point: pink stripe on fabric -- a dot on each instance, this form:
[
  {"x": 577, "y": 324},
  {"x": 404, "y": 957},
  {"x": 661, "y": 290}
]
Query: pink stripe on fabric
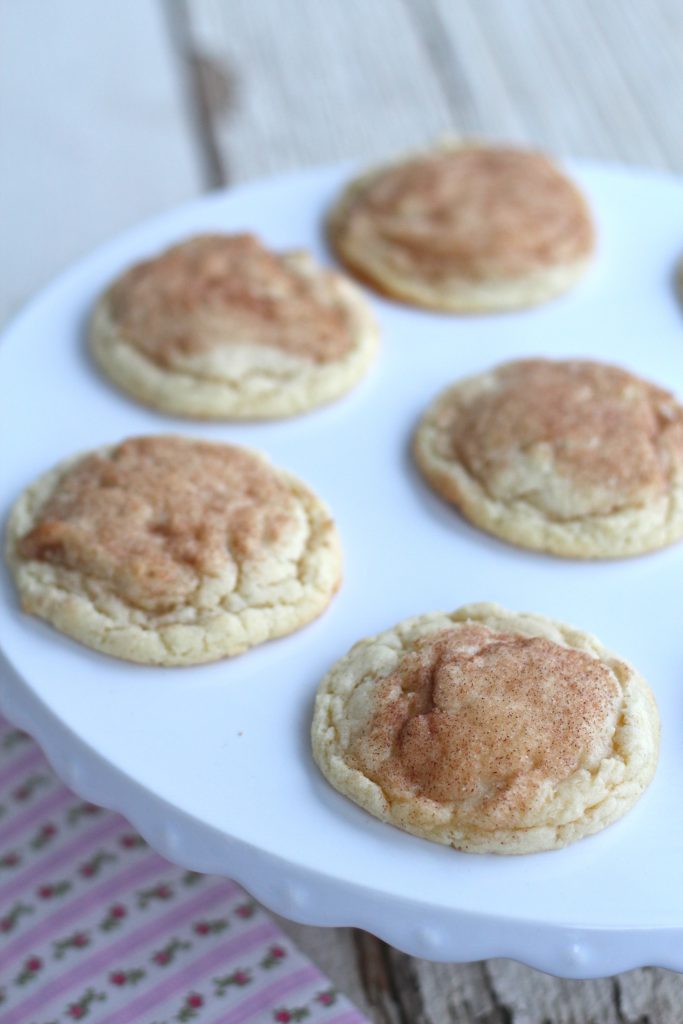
[
  {"x": 51, "y": 802},
  {"x": 40, "y": 871},
  {"x": 180, "y": 979},
  {"x": 45, "y": 929},
  {"x": 266, "y": 997},
  {"x": 110, "y": 955},
  {"x": 21, "y": 765}
]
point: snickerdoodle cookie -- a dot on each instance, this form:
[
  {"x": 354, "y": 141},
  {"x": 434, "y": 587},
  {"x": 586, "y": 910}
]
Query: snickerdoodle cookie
[
  {"x": 172, "y": 551},
  {"x": 465, "y": 227},
  {"x": 487, "y": 730},
  {"x": 573, "y": 457},
  {"x": 221, "y": 327}
]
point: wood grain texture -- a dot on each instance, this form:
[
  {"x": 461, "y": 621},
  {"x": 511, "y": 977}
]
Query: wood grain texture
[
  {"x": 106, "y": 118},
  {"x": 94, "y": 128},
  {"x": 550, "y": 74},
  {"x": 316, "y": 81}
]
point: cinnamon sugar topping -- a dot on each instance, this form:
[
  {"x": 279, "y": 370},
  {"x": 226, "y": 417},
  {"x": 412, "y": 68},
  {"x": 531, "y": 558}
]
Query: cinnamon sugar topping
[
  {"x": 475, "y": 211},
  {"x": 489, "y": 722},
  {"x": 571, "y": 438},
  {"x": 155, "y": 515},
  {"x": 229, "y": 289}
]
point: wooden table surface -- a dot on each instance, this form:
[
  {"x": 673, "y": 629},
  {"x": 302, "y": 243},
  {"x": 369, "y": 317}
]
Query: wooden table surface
[{"x": 110, "y": 112}]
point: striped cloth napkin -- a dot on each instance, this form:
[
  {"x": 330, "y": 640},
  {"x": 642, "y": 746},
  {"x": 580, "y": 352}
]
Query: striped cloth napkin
[{"x": 96, "y": 926}]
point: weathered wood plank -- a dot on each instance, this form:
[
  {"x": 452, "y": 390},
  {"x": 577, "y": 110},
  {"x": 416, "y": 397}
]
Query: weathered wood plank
[
  {"x": 95, "y": 133},
  {"x": 317, "y": 82},
  {"x": 532, "y": 997},
  {"x": 650, "y": 997},
  {"x": 548, "y": 72},
  {"x": 646, "y": 43},
  {"x": 438, "y": 993}
]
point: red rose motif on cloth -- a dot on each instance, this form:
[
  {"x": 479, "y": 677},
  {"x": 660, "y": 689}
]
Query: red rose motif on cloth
[{"x": 95, "y": 926}]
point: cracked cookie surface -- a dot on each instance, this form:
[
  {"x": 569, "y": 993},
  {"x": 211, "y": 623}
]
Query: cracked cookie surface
[
  {"x": 172, "y": 551},
  {"x": 572, "y": 457},
  {"x": 465, "y": 227},
  {"x": 487, "y": 730},
  {"x": 221, "y": 327}
]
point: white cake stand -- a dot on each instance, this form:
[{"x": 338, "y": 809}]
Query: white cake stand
[{"x": 212, "y": 764}]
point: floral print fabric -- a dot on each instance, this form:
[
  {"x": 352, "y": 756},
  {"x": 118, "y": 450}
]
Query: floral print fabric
[{"x": 95, "y": 926}]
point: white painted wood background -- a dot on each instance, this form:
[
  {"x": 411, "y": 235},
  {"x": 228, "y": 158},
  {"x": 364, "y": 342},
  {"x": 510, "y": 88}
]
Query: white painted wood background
[{"x": 110, "y": 112}]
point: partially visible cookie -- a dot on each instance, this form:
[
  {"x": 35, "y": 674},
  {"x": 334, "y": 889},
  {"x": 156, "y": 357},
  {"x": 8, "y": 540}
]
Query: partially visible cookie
[
  {"x": 172, "y": 551},
  {"x": 489, "y": 731},
  {"x": 220, "y": 327},
  {"x": 572, "y": 457},
  {"x": 465, "y": 228}
]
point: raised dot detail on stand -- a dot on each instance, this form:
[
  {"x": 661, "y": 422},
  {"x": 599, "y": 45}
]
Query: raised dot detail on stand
[
  {"x": 294, "y": 896},
  {"x": 169, "y": 840},
  {"x": 577, "y": 954},
  {"x": 428, "y": 938},
  {"x": 73, "y": 775}
]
